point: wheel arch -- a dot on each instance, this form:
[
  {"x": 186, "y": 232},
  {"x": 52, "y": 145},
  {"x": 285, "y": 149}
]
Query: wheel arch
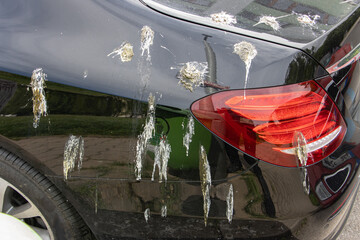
[{"x": 15, "y": 149}]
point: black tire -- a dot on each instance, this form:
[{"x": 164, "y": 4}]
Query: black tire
[{"x": 27, "y": 186}]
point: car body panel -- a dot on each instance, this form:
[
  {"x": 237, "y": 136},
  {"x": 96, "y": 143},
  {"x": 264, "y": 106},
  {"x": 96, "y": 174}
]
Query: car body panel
[{"x": 106, "y": 102}]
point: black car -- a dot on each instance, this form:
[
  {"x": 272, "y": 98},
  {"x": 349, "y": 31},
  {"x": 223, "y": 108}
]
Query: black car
[{"x": 180, "y": 119}]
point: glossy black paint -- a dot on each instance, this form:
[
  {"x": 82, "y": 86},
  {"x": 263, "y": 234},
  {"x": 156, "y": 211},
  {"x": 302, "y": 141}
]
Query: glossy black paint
[
  {"x": 108, "y": 108},
  {"x": 298, "y": 22}
]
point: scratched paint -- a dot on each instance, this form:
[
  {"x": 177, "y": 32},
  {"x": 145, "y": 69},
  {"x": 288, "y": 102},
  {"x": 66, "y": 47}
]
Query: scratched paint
[
  {"x": 143, "y": 139},
  {"x": 162, "y": 156},
  {"x": 271, "y": 21},
  {"x": 190, "y": 130},
  {"x": 230, "y": 204},
  {"x": 73, "y": 153},
  {"x": 37, "y": 84},
  {"x": 147, "y": 39},
  {"x": 164, "y": 211},
  {"x": 192, "y": 74},
  {"x": 124, "y": 52},
  {"x": 205, "y": 180},
  {"x": 147, "y": 214},
  {"x": 247, "y": 52},
  {"x": 223, "y": 18}
]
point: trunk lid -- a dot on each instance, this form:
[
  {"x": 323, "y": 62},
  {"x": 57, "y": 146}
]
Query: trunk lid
[{"x": 285, "y": 21}]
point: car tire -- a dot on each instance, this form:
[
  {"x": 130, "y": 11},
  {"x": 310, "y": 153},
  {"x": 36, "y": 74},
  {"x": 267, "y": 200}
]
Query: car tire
[{"x": 28, "y": 195}]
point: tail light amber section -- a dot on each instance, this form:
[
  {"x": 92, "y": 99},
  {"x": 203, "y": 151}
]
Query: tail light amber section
[{"x": 264, "y": 122}]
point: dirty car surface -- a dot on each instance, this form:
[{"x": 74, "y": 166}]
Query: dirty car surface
[{"x": 179, "y": 119}]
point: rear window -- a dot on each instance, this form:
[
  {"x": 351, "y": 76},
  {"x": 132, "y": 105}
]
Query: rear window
[{"x": 295, "y": 20}]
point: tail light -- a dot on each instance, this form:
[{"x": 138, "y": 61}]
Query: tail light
[{"x": 264, "y": 122}]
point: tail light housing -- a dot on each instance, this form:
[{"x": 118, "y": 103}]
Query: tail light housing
[{"x": 265, "y": 123}]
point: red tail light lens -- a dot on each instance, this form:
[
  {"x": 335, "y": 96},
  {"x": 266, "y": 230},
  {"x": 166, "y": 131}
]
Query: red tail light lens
[{"x": 263, "y": 122}]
